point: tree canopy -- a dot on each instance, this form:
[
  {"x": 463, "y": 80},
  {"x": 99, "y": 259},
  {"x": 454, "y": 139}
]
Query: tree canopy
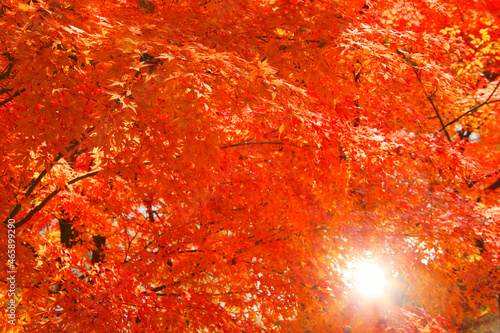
[{"x": 218, "y": 166}]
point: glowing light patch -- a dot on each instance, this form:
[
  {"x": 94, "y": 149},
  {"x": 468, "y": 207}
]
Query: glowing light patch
[{"x": 369, "y": 279}]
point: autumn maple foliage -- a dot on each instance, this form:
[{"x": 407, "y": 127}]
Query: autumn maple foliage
[{"x": 218, "y": 166}]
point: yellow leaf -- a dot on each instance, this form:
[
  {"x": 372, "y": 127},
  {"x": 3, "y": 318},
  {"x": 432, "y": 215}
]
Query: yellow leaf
[
  {"x": 280, "y": 130},
  {"x": 25, "y": 7}
]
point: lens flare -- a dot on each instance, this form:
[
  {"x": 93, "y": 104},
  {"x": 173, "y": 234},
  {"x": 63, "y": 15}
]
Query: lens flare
[{"x": 369, "y": 279}]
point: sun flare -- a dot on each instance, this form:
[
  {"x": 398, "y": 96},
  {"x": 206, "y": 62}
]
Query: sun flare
[{"x": 369, "y": 279}]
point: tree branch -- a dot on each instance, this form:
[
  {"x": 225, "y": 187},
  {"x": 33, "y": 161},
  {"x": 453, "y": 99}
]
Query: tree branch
[
  {"x": 38, "y": 179},
  {"x": 475, "y": 108},
  {"x": 429, "y": 97},
  {"x": 491, "y": 174},
  {"x": 130, "y": 242},
  {"x": 494, "y": 186},
  {"x": 414, "y": 66},
  {"x": 17, "y": 93},
  {"x": 7, "y": 70},
  {"x": 50, "y": 196},
  {"x": 253, "y": 143},
  {"x": 245, "y": 143}
]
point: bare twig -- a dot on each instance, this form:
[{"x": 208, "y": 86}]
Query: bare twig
[
  {"x": 414, "y": 66},
  {"x": 475, "y": 108},
  {"x": 130, "y": 242},
  {"x": 245, "y": 143},
  {"x": 429, "y": 97}
]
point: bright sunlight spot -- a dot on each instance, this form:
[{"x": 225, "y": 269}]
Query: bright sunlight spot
[
  {"x": 369, "y": 279},
  {"x": 365, "y": 277}
]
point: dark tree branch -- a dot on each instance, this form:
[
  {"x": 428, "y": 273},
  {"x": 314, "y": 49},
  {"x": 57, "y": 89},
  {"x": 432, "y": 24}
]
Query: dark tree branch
[
  {"x": 470, "y": 111},
  {"x": 475, "y": 108},
  {"x": 67, "y": 233},
  {"x": 429, "y": 97},
  {"x": 494, "y": 186},
  {"x": 36, "y": 181},
  {"x": 491, "y": 174},
  {"x": 50, "y": 196},
  {"x": 4, "y": 75},
  {"x": 17, "y": 93},
  {"x": 7, "y": 70},
  {"x": 414, "y": 66},
  {"x": 252, "y": 143},
  {"x": 130, "y": 242},
  {"x": 100, "y": 244}
]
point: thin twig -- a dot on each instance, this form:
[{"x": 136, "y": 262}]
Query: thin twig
[
  {"x": 491, "y": 174},
  {"x": 130, "y": 242},
  {"x": 475, "y": 108},
  {"x": 253, "y": 143},
  {"x": 429, "y": 97}
]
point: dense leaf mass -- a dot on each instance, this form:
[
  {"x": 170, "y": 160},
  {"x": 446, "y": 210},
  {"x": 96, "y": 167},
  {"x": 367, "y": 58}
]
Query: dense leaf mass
[{"x": 218, "y": 166}]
